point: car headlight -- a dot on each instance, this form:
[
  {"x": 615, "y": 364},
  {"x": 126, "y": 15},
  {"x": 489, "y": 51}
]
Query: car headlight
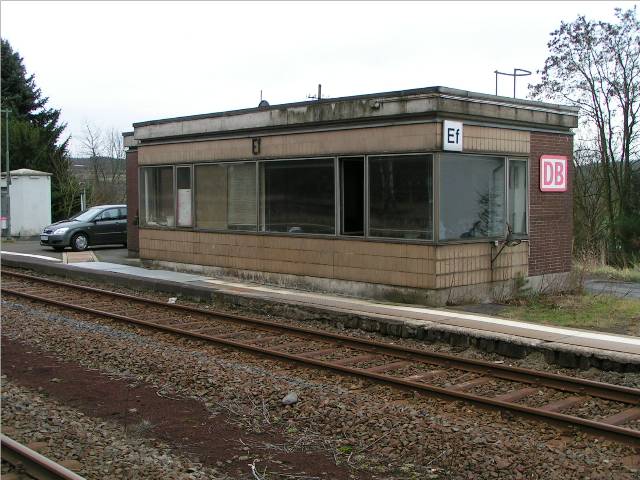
[{"x": 60, "y": 231}]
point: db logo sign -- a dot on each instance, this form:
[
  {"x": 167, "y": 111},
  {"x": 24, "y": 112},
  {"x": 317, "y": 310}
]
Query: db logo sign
[{"x": 553, "y": 173}]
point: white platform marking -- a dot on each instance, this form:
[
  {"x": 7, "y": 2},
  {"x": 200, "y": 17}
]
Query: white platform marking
[{"x": 42, "y": 257}]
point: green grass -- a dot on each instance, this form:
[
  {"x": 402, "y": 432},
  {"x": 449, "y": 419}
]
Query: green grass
[{"x": 594, "y": 312}]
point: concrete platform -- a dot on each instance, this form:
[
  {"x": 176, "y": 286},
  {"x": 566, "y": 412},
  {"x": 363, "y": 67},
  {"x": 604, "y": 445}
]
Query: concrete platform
[{"x": 564, "y": 346}]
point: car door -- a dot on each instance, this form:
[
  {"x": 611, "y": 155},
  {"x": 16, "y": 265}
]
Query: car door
[
  {"x": 106, "y": 226},
  {"x": 122, "y": 225}
]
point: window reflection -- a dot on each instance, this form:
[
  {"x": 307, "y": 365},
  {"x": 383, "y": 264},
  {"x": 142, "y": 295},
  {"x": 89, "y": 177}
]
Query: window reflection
[
  {"x": 156, "y": 202},
  {"x": 472, "y": 191}
]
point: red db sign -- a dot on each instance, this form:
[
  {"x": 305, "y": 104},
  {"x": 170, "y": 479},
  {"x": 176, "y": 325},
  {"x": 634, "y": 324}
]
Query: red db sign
[{"x": 553, "y": 173}]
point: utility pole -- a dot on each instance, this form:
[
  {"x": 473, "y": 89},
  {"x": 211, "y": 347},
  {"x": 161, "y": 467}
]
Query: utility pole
[{"x": 8, "y": 170}]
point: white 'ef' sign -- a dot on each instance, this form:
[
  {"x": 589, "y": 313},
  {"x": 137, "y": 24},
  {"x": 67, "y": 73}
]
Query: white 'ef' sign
[
  {"x": 452, "y": 136},
  {"x": 553, "y": 173}
]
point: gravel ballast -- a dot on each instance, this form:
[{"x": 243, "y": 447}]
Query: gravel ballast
[{"x": 368, "y": 430}]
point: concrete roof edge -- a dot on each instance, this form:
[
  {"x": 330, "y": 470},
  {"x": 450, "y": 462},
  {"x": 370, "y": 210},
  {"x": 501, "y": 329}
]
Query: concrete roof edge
[{"x": 443, "y": 91}]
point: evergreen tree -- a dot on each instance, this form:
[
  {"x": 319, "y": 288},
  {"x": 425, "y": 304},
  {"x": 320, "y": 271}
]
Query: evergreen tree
[{"x": 35, "y": 132}]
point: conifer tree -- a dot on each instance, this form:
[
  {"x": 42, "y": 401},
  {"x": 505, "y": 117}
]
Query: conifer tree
[{"x": 35, "y": 132}]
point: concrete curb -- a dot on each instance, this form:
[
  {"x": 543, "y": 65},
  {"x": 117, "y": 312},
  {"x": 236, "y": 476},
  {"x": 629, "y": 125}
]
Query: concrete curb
[{"x": 508, "y": 345}]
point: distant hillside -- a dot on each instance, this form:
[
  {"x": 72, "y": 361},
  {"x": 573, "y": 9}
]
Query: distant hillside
[{"x": 83, "y": 168}]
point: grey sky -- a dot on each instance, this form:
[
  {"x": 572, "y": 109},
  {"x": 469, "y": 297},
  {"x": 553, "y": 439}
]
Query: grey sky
[{"x": 115, "y": 63}]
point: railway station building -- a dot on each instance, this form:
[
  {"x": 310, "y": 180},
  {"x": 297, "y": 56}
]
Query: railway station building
[{"x": 427, "y": 195}]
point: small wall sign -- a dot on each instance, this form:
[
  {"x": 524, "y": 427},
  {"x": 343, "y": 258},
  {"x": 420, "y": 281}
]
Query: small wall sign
[
  {"x": 553, "y": 173},
  {"x": 452, "y": 136}
]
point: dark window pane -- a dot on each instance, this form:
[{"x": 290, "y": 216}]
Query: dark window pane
[
  {"x": 352, "y": 195},
  {"x": 400, "y": 196},
  {"x": 183, "y": 177},
  {"x": 298, "y": 196},
  {"x": 518, "y": 196},
  {"x": 156, "y": 198},
  {"x": 471, "y": 197}
]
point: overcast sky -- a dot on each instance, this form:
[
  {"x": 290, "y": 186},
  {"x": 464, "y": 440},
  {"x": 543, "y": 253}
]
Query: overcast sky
[{"x": 115, "y": 63}]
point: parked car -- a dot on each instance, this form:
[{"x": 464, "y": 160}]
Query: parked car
[{"x": 99, "y": 225}]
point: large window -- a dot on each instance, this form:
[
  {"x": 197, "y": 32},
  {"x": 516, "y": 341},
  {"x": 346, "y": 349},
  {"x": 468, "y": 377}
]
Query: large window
[
  {"x": 297, "y": 196},
  {"x": 156, "y": 199},
  {"x": 401, "y": 196},
  {"x": 518, "y": 196},
  {"x": 225, "y": 197},
  {"x": 472, "y": 197},
  {"x": 376, "y": 196}
]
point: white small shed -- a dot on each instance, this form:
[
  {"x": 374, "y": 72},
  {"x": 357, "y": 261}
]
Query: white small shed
[{"x": 29, "y": 203}]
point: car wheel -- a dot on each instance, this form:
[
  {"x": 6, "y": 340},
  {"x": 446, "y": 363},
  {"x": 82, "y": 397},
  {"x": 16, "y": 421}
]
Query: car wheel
[{"x": 79, "y": 242}]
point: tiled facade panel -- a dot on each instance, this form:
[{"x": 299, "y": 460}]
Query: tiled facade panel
[
  {"x": 495, "y": 140},
  {"x": 404, "y": 265},
  {"x": 550, "y": 213},
  {"x": 399, "y": 138},
  {"x": 470, "y": 264},
  {"x": 419, "y": 137}
]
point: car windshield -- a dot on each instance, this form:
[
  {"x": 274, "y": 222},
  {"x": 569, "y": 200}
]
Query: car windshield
[{"x": 87, "y": 215}]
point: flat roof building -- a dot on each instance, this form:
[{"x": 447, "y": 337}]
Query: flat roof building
[{"x": 405, "y": 195}]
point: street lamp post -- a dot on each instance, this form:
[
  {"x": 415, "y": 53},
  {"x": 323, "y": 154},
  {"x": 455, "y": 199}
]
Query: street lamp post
[{"x": 8, "y": 170}]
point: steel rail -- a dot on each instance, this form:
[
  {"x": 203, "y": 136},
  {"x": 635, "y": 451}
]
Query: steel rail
[
  {"x": 523, "y": 375},
  {"x": 34, "y": 464},
  {"x": 621, "y": 433}
]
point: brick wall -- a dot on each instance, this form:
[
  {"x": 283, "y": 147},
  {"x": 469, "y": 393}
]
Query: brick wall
[
  {"x": 550, "y": 213},
  {"x": 132, "y": 202}
]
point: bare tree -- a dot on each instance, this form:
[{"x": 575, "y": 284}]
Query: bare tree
[
  {"x": 595, "y": 66},
  {"x": 107, "y": 169},
  {"x": 68, "y": 187}
]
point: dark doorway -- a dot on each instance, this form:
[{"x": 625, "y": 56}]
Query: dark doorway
[{"x": 352, "y": 194}]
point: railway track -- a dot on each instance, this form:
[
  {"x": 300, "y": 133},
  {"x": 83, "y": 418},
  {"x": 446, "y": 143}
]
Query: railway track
[
  {"x": 32, "y": 463},
  {"x": 601, "y": 408}
]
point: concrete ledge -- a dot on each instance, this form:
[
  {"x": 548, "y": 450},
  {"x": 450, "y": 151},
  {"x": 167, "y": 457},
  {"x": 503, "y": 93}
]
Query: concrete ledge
[
  {"x": 477, "y": 293},
  {"x": 258, "y": 302}
]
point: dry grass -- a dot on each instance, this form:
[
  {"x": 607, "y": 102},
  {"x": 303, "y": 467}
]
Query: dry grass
[{"x": 595, "y": 312}]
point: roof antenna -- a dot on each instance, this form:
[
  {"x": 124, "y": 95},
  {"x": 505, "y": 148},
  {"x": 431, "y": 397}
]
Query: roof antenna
[
  {"x": 319, "y": 96},
  {"x": 517, "y": 72},
  {"x": 263, "y": 105}
]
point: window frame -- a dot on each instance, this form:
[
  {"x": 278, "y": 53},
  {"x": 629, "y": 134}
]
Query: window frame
[
  {"x": 193, "y": 195},
  {"x": 367, "y": 203},
  {"x": 175, "y": 194},
  {"x": 525, "y": 160},
  {"x": 436, "y": 157},
  {"x": 506, "y": 159},
  {"x": 141, "y": 177},
  {"x": 336, "y": 207},
  {"x": 339, "y": 195},
  {"x": 505, "y": 186}
]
